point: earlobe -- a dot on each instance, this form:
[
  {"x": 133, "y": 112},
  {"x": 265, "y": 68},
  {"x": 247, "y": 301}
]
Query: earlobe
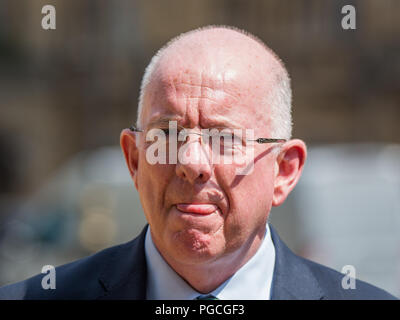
[
  {"x": 130, "y": 151},
  {"x": 290, "y": 165}
]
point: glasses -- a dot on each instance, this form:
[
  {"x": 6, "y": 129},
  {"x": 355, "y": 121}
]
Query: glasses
[
  {"x": 224, "y": 135},
  {"x": 227, "y": 146}
]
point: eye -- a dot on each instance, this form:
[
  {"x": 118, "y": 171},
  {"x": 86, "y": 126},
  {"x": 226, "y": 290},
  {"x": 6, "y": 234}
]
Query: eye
[
  {"x": 229, "y": 139},
  {"x": 168, "y": 131},
  {"x": 226, "y": 137}
]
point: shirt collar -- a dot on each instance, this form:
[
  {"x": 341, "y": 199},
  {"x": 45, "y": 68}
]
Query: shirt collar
[{"x": 251, "y": 282}]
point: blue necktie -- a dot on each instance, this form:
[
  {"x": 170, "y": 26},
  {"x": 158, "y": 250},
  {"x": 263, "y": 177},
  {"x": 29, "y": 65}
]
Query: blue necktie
[{"x": 208, "y": 297}]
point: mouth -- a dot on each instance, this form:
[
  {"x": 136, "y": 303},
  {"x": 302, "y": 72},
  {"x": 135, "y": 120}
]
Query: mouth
[{"x": 197, "y": 208}]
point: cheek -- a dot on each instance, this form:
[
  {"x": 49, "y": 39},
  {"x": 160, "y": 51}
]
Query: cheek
[
  {"x": 246, "y": 189},
  {"x": 250, "y": 197},
  {"x": 152, "y": 185}
]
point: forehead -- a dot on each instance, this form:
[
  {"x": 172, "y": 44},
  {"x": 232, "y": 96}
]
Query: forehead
[
  {"x": 208, "y": 88},
  {"x": 204, "y": 99}
]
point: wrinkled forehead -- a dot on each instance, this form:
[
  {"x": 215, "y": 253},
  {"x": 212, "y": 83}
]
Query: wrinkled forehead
[{"x": 235, "y": 75}]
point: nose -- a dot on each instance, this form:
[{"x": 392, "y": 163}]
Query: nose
[{"x": 194, "y": 164}]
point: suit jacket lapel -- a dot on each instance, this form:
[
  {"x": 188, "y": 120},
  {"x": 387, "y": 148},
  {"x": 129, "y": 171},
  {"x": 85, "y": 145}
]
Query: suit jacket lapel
[
  {"x": 125, "y": 275},
  {"x": 292, "y": 278}
]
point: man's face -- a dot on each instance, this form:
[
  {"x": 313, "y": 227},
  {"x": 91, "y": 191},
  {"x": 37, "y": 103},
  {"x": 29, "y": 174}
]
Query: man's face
[{"x": 203, "y": 96}]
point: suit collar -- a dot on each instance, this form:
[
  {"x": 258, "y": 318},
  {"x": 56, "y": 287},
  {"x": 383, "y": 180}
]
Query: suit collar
[{"x": 292, "y": 277}]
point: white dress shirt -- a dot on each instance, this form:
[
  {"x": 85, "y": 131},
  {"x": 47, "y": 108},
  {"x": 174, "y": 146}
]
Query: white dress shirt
[{"x": 251, "y": 282}]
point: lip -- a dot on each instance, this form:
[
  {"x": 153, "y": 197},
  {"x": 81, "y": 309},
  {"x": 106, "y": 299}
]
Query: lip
[{"x": 197, "y": 208}]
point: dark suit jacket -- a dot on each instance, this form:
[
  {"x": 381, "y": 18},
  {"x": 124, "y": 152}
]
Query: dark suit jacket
[{"x": 120, "y": 273}]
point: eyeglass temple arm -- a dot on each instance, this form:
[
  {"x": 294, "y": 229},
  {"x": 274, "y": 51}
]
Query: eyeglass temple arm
[
  {"x": 134, "y": 129},
  {"x": 269, "y": 140}
]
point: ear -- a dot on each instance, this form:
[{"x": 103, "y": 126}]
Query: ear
[
  {"x": 131, "y": 153},
  {"x": 288, "y": 168}
]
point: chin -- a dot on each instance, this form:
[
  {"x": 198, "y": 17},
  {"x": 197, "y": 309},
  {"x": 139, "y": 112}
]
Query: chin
[{"x": 194, "y": 246}]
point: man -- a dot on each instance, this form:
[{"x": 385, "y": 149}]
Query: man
[{"x": 207, "y": 207}]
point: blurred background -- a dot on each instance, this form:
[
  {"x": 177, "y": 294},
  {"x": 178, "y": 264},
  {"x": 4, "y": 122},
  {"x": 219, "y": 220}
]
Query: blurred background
[{"x": 65, "y": 95}]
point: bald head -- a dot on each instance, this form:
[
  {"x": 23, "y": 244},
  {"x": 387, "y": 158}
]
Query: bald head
[{"x": 215, "y": 55}]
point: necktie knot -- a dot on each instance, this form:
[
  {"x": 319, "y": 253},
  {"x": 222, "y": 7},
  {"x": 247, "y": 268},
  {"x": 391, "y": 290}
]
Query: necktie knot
[{"x": 207, "y": 297}]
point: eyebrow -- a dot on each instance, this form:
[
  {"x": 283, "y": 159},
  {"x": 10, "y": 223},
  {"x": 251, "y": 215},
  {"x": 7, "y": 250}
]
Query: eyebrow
[
  {"x": 164, "y": 120},
  {"x": 223, "y": 123}
]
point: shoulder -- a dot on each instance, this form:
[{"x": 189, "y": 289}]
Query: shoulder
[
  {"x": 80, "y": 279},
  {"x": 298, "y": 278},
  {"x": 331, "y": 281}
]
